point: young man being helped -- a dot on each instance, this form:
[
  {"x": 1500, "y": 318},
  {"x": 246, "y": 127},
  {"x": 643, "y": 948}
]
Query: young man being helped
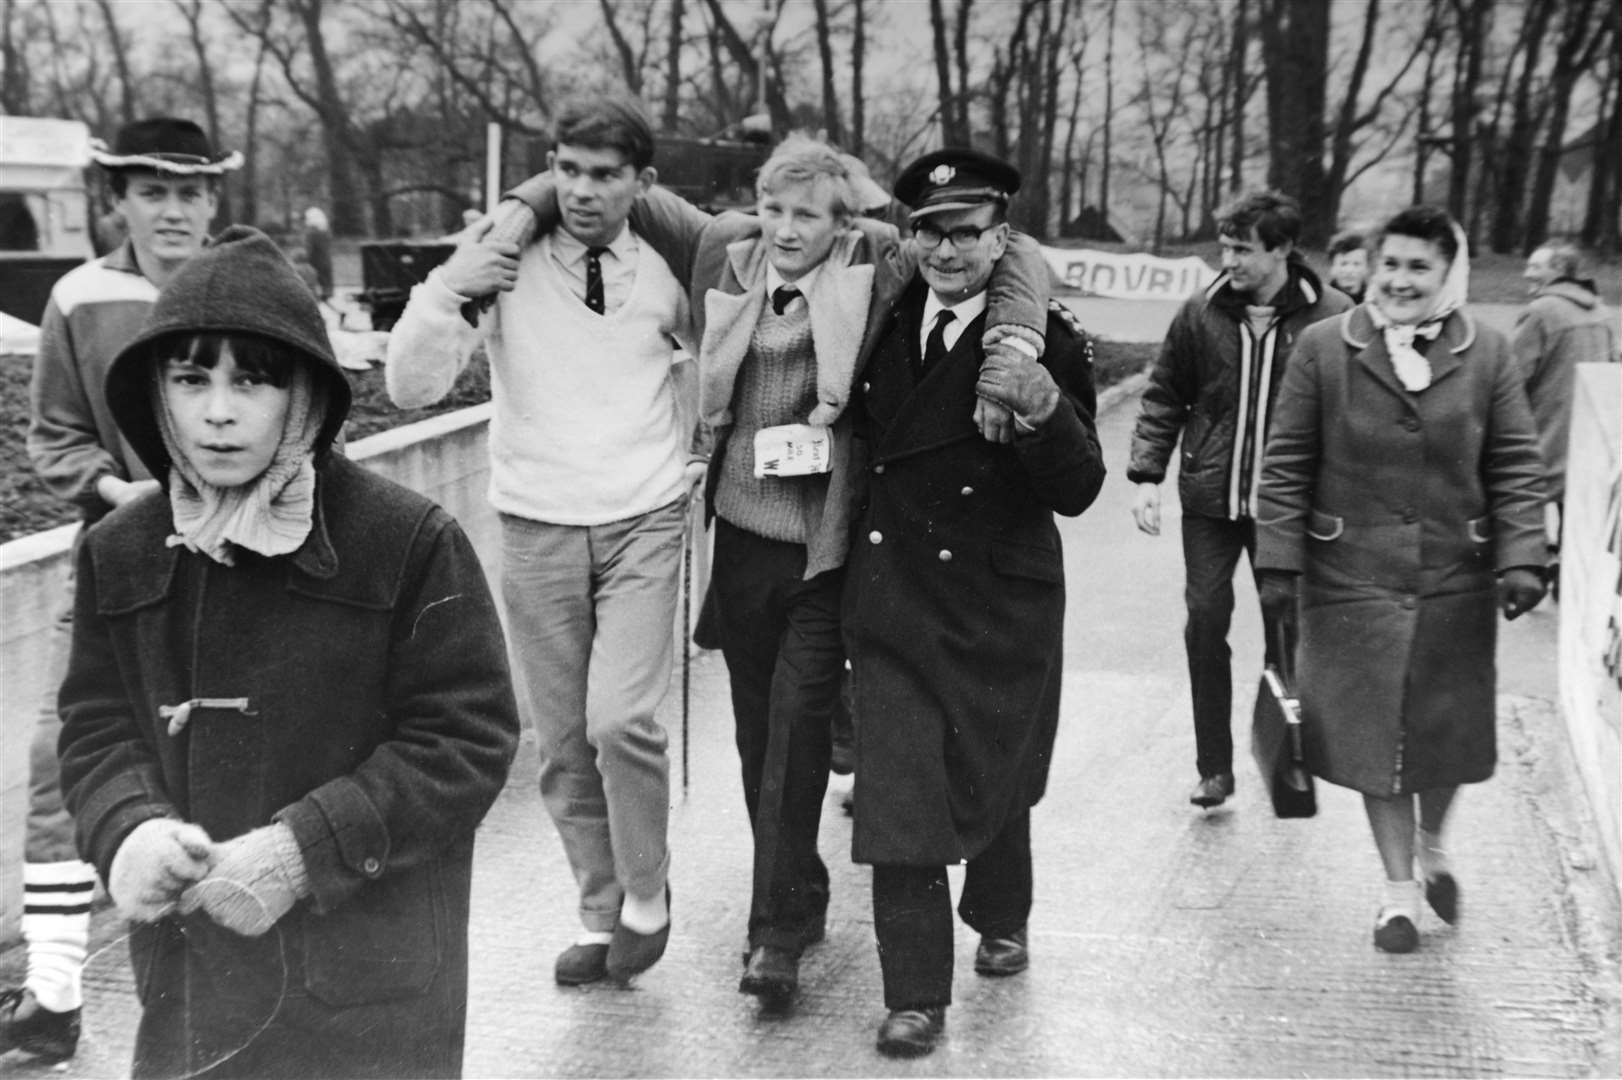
[
  {"x": 588, "y": 471},
  {"x": 787, "y": 303}
]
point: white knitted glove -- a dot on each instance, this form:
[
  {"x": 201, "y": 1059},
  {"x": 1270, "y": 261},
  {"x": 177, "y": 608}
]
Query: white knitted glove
[
  {"x": 156, "y": 861},
  {"x": 257, "y": 878}
]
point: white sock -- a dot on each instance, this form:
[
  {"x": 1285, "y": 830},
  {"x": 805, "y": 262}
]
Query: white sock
[
  {"x": 1401, "y": 898},
  {"x": 593, "y": 937},
  {"x": 645, "y": 916},
  {"x": 1432, "y": 858},
  {"x": 56, "y": 928}
]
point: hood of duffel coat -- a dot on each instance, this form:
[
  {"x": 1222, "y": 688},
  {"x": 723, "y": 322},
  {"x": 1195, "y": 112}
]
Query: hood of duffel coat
[{"x": 241, "y": 283}]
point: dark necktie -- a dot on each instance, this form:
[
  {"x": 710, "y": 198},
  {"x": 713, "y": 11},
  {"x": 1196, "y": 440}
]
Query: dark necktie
[
  {"x": 935, "y": 344},
  {"x": 594, "y": 278},
  {"x": 782, "y": 297}
]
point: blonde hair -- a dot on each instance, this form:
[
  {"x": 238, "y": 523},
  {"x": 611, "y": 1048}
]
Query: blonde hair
[{"x": 800, "y": 159}]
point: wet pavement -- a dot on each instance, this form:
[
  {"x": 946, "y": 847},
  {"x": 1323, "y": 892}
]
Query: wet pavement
[{"x": 1165, "y": 941}]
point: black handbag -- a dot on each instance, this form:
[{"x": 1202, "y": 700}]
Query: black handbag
[{"x": 1275, "y": 741}]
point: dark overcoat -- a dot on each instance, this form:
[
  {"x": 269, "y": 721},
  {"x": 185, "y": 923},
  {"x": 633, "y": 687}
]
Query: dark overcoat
[
  {"x": 954, "y": 603},
  {"x": 1398, "y": 509},
  {"x": 376, "y": 720}
]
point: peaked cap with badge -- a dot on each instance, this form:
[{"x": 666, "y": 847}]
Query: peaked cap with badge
[
  {"x": 957, "y": 178},
  {"x": 165, "y": 144}
]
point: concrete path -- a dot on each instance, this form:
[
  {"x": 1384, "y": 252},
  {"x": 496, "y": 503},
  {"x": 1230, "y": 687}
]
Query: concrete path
[{"x": 1166, "y": 941}]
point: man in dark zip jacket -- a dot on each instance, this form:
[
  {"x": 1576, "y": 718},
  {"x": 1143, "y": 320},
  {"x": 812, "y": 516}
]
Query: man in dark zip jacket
[{"x": 1214, "y": 383}]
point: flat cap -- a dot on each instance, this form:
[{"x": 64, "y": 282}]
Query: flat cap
[{"x": 956, "y": 178}]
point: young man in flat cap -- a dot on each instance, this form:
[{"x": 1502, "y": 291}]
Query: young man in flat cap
[
  {"x": 954, "y": 599},
  {"x": 786, "y": 303},
  {"x": 163, "y": 174}
]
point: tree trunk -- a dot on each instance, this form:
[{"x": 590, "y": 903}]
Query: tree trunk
[
  {"x": 630, "y": 69},
  {"x": 961, "y": 122},
  {"x": 672, "y": 110},
  {"x": 1602, "y": 229},
  {"x": 1109, "y": 111},
  {"x": 830, "y": 98},
  {"x": 192, "y": 11},
  {"x": 129, "y": 102},
  {"x": 1295, "y": 55},
  {"x": 1473, "y": 16},
  {"x": 858, "y": 61},
  {"x": 1241, "y": 95},
  {"x": 1582, "y": 36},
  {"x": 943, "y": 75},
  {"x": 14, "y": 79},
  {"x": 1514, "y": 154}
]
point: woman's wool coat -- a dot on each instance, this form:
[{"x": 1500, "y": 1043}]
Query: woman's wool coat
[{"x": 1398, "y": 509}]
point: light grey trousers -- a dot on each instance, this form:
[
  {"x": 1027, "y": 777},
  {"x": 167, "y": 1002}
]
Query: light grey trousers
[{"x": 591, "y": 625}]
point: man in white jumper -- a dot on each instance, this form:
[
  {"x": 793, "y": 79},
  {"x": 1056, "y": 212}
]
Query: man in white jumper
[{"x": 588, "y": 471}]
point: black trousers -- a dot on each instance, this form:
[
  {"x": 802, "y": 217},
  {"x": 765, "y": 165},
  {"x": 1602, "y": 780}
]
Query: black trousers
[
  {"x": 912, "y": 914},
  {"x": 1211, "y": 550},
  {"x": 780, "y": 636}
]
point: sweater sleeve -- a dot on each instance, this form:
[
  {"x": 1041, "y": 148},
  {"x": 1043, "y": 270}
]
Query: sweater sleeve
[
  {"x": 431, "y": 344},
  {"x": 62, "y": 441}
]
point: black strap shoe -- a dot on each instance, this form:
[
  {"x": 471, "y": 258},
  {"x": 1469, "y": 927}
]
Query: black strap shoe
[
  {"x": 912, "y": 1032},
  {"x": 1212, "y": 790},
  {"x": 28, "y": 1026}
]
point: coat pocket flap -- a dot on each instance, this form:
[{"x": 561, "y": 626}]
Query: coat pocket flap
[{"x": 1322, "y": 526}]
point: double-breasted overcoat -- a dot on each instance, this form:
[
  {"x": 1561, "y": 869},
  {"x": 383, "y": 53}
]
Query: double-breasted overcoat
[
  {"x": 1398, "y": 509},
  {"x": 954, "y": 601}
]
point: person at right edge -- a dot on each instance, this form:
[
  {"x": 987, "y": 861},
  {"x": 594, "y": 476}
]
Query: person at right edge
[
  {"x": 1214, "y": 385},
  {"x": 1401, "y": 477}
]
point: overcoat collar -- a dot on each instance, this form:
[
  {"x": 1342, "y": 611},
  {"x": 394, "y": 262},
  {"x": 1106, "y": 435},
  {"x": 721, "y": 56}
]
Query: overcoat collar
[
  {"x": 939, "y": 409},
  {"x": 838, "y": 299},
  {"x": 1357, "y": 329}
]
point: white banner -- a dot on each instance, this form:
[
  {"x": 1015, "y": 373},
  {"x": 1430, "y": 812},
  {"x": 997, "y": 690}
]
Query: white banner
[{"x": 1129, "y": 277}]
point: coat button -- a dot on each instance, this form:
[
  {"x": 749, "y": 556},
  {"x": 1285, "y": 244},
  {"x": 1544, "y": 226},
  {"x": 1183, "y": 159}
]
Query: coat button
[
  {"x": 966, "y": 491},
  {"x": 372, "y": 867},
  {"x": 1410, "y": 515},
  {"x": 945, "y": 556},
  {"x": 866, "y": 386},
  {"x": 1411, "y": 423},
  {"x": 1408, "y": 603},
  {"x": 875, "y": 537},
  {"x": 878, "y": 470}
]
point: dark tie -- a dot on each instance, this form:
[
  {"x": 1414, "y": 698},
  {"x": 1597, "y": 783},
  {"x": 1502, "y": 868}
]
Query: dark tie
[
  {"x": 594, "y": 278},
  {"x": 935, "y": 344},
  {"x": 782, "y": 297}
]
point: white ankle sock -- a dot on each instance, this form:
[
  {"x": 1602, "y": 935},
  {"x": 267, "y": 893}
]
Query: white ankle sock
[
  {"x": 592, "y": 937},
  {"x": 1432, "y": 857},
  {"x": 1401, "y": 898},
  {"x": 645, "y": 916},
  {"x": 56, "y": 928}
]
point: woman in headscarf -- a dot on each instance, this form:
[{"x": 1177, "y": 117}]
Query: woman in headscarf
[
  {"x": 1402, "y": 478},
  {"x": 287, "y": 706}
]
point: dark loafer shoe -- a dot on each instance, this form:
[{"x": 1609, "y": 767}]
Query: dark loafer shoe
[
  {"x": 772, "y": 974},
  {"x": 1002, "y": 956},
  {"x": 28, "y": 1026},
  {"x": 1212, "y": 790},
  {"x": 911, "y": 1032},
  {"x": 631, "y": 953},
  {"x": 581, "y": 964},
  {"x": 1442, "y": 893},
  {"x": 1396, "y": 935}
]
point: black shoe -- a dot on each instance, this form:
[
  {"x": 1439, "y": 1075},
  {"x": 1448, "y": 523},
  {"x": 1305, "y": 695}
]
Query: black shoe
[
  {"x": 581, "y": 964},
  {"x": 631, "y": 953},
  {"x": 28, "y": 1026},
  {"x": 1212, "y": 790},
  {"x": 1003, "y": 956},
  {"x": 772, "y": 974},
  {"x": 1442, "y": 893},
  {"x": 1396, "y": 934},
  {"x": 911, "y": 1032}
]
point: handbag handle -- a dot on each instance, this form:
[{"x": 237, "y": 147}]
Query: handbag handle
[{"x": 1283, "y": 633}]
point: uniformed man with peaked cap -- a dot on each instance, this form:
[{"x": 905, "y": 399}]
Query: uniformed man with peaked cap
[{"x": 954, "y": 602}]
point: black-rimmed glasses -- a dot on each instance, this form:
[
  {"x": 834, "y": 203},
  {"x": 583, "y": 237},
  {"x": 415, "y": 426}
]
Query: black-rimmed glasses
[{"x": 963, "y": 237}]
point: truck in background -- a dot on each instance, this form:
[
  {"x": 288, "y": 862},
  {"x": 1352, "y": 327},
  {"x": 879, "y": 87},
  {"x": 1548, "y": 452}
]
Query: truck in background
[{"x": 44, "y": 209}]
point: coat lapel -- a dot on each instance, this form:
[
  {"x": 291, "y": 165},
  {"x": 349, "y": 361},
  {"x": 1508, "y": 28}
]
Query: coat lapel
[
  {"x": 940, "y": 408},
  {"x": 731, "y": 310}
]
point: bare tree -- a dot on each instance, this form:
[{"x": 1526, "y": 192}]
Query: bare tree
[
  {"x": 14, "y": 79},
  {"x": 1295, "y": 52},
  {"x": 1584, "y": 30},
  {"x": 831, "y": 122},
  {"x": 673, "y": 51},
  {"x": 953, "y": 118},
  {"x": 129, "y": 100},
  {"x": 858, "y": 64}
]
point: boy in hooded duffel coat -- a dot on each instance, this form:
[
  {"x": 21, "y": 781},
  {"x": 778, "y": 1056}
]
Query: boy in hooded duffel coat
[{"x": 287, "y": 708}]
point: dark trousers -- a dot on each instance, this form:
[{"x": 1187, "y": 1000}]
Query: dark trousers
[
  {"x": 912, "y": 914},
  {"x": 780, "y": 636},
  {"x": 1211, "y": 549}
]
